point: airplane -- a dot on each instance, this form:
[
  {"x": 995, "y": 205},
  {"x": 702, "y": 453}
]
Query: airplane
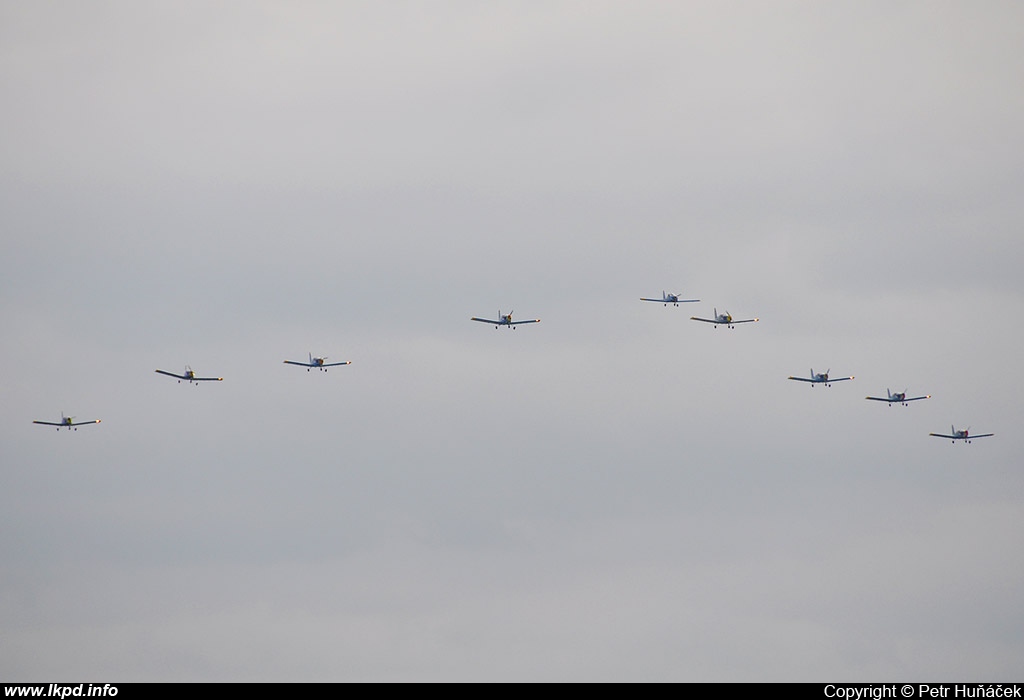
[
  {"x": 820, "y": 379},
  {"x": 505, "y": 320},
  {"x": 190, "y": 376},
  {"x": 897, "y": 398},
  {"x": 964, "y": 435},
  {"x": 723, "y": 319},
  {"x": 66, "y": 422},
  {"x": 673, "y": 299},
  {"x": 316, "y": 362}
]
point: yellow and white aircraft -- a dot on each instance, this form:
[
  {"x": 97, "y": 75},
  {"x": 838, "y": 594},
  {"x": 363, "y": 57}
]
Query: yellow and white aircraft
[
  {"x": 505, "y": 320},
  {"x": 964, "y": 435},
  {"x": 66, "y": 422},
  {"x": 190, "y": 376},
  {"x": 898, "y": 397},
  {"x": 821, "y": 378},
  {"x": 725, "y": 319},
  {"x": 673, "y": 299},
  {"x": 318, "y": 362}
]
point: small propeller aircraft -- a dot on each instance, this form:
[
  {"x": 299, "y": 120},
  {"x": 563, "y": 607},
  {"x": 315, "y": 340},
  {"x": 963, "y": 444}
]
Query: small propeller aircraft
[
  {"x": 505, "y": 320},
  {"x": 725, "y": 319},
  {"x": 66, "y": 422},
  {"x": 964, "y": 435},
  {"x": 190, "y": 376},
  {"x": 318, "y": 362},
  {"x": 821, "y": 378},
  {"x": 899, "y": 397},
  {"x": 673, "y": 299}
]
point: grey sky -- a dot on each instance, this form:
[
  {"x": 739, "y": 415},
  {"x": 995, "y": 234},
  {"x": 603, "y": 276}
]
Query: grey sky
[{"x": 616, "y": 493}]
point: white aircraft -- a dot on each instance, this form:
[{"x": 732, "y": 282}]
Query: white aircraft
[
  {"x": 190, "y": 376},
  {"x": 723, "y": 320},
  {"x": 964, "y": 435},
  {"x": 673, "y": 299},
  {"x": 318, "y": 362},
  {"x": 822, "y": 378},
  {"x": 505, "y": 320},
  {"x": 899, "y": 397},
  {"x": 66, "y": 422}
]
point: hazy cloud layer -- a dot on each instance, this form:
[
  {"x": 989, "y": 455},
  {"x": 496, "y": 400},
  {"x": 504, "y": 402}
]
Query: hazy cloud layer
[{"x": 617, "y": 493}]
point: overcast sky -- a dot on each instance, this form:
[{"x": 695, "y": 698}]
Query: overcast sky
[{"x": 617, "y": 493}]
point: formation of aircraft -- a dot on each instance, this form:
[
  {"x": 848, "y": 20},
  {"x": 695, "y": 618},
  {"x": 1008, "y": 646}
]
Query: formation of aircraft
[
  {"x": 318, "y": 362},
  {"x": 190, "y": 376},
  {"x": 505, "y": 320},
  {"x": 964, "y": 435},
  {"x": 899, "y": 397},
  {"x": 821, "y": 378},
  {"x": 66, "y": 422},
  {"x": 673, "y": 299},
  {"x": 725, "y": 319}
]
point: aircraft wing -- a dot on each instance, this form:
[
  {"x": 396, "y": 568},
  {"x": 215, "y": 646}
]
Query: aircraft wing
[
  {"x": 747, "y": 320},
  {"x": 336, "y": 364},
  {"x": 705, "y": 320},
  {"x": 486, "y": 320},
  {"x": 532, "y": 320},
  {"x": 207, "y": 379},
  {"x": 837, "y": 379},
  {"x": 300, "y": 364},
  {"x": 171, "y": 374},
  {"x": 961, "y": 437},
  {"x": 805, "y": 379},
  {"x": 669, "y": 301},
  {"x": 917, "y": 398},
  {"x": 86, "y": 422},
  {"x": 44, "y": 422},
  {"x": 879, "y": 398}
]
